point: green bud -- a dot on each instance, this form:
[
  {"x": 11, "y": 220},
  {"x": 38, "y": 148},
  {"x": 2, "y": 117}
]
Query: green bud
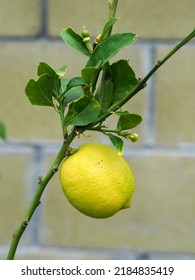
[
  {"x": 133, "y": 137},
  {"x": 86, "y": 39},
  {"x": 84, "y": 32}
]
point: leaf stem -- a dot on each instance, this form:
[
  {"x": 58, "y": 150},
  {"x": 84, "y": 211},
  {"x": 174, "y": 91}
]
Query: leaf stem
[
  {"x": 104, "y": 130},
  {"x": 61, "y": 113},
  {"x": 36, "y": 199}
]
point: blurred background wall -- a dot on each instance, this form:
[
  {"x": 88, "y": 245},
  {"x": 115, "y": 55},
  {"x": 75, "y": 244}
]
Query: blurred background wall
[{"x": 160, "y": 223}]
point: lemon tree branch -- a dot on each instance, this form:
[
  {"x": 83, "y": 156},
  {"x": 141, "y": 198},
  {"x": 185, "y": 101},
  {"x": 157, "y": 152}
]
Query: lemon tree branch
[
  {"x": 43, "y": 181},
  {"x": 142, "y": 82}
]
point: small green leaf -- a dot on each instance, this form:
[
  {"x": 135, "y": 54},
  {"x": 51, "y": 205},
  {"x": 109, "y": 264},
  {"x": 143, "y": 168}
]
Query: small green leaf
[
  {"x": 107, "y": 28},
  {"x": 89, "y": 74},
  {"x": 73, "y": 94},
  {"x": 75, "y": 82},
  {"x": 64, "y": 82},
  {"x": 74, "y": 40},
  {"x": 44, "y": 68},
  {"x": 61, "y": 71},
  {"x": 117, "y": 143},
  {"x": 82, "y": 112},
  {"x": 127, "y": 120},
  {"x": 2, "y": 131},
  {"x": 124, "y": 79},
  {"x": 40, "y": 92},
  {"x": 109, "y": 48}
]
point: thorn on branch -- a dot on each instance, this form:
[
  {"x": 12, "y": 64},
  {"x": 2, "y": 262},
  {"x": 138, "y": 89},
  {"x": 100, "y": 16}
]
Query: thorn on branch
[
  {"x": 40, "y": 179},
  {"x": 25, "y": 223},
  {"x": 55, "y": 169},
  {"x": 70, "y": 150},
  {"x": 65, "y": 135}
]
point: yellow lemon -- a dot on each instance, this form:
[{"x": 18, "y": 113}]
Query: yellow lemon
[{"x": 97, "y": 181}]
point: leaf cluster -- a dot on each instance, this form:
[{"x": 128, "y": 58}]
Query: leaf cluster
[{"x": 87, "y": 100}]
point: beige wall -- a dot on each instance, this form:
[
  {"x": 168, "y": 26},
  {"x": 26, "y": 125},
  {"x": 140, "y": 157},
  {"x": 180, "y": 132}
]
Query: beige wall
[{"x": 160, "y": 223}]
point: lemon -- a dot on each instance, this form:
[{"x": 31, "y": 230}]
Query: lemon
[{"x": 97, "y": 181}]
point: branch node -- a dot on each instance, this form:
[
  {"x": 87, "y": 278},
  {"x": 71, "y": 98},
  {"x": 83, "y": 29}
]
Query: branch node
[
  {"x": 55, "y": 169},
  {"x": 40, "y": 179},
  {"x": 65, "y": 135},
  {"x": 25, "y": 223}
]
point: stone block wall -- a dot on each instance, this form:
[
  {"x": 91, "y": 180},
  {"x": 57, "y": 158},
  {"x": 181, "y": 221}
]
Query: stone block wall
[{"x": 160, "y": 223}]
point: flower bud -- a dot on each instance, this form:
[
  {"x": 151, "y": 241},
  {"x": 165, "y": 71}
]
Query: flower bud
[
  {"x": 84, "y": 32},
  {"x": 96, "y": 41},
  {"x": 86, "y": 39},
  {"x": 133, "y": 137},
  {"x": 97, "y": 38}
]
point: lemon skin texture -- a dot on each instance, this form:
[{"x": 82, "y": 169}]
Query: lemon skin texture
[{"x": 97, "y": 181}]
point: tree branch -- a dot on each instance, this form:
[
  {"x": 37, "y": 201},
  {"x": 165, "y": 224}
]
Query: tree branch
[
  {"x": 142, "y": 82},
  {"x": 43, "y": 181}
]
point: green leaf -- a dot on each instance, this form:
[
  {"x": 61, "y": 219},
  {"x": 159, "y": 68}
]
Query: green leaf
[
  {"x": 74, "y": 40},
  {"x": 73, "y": 93},
  {"x": 124, "y": 79},
  {"x": 64, "y": 82},
  {"x": 89, "y": 74},
  {"x": 107, "y": 28},
  {"x": 44, "y": 68},
  {"x": 40, "y": 92},
  {"x": 82, "y": 112},
  {"x": 127, "y": 120},
  {"x": 110, "y": 47},
  {"x": 2, "y": 131},
  {"x": 104, "y": 94},
  {"x": 117, "y": 143},
  {"x": 61, "y": 71},
  {"x": 75, "y": 82}
]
